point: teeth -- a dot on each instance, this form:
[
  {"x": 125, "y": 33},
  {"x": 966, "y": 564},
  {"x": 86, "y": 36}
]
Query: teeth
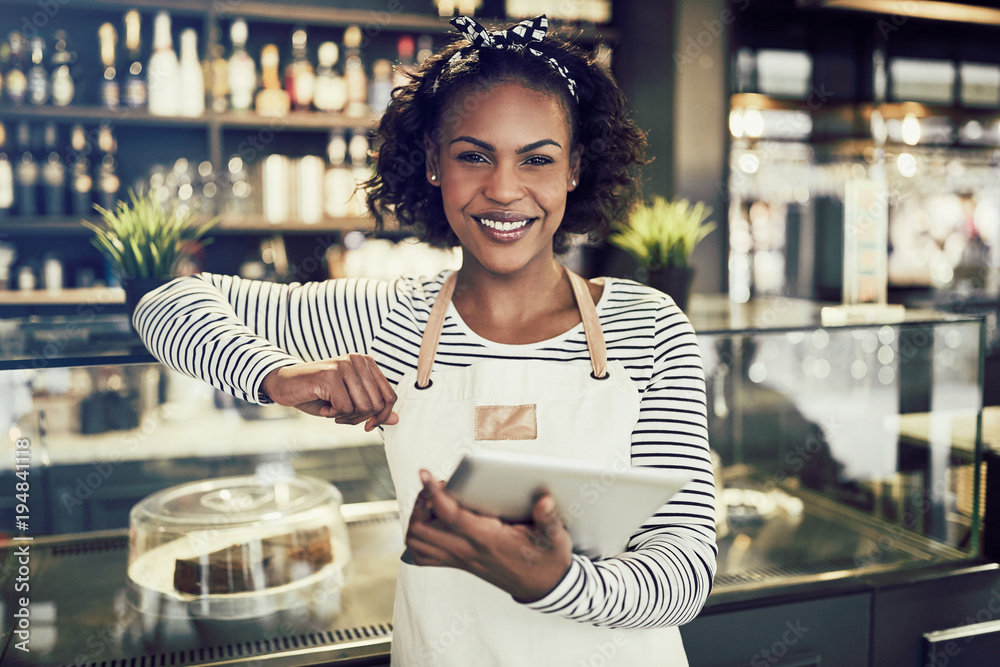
[{"x": 503, "y": 226}]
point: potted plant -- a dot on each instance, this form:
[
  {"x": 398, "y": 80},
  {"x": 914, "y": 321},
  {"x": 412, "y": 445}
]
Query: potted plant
[
  {"x": 661, "y": 237},
  {"x": 144, "y": 241}
]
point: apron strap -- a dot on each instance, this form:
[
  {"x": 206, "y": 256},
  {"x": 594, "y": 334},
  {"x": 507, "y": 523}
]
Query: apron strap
[
  {"x": 591, "y": 326},
  {"x": 584, "y": 301},
  {"x": 435, "y": 322}
]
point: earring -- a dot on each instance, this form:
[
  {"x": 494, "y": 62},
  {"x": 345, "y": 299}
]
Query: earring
[
  {"x": 574, "y": 182},
  {"x": 434, "y": 177}
]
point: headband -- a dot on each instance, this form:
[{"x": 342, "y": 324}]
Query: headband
[{"x": 516, "y": 38}]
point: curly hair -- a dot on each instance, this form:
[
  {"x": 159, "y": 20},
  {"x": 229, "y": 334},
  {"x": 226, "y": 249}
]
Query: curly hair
[{"x": 598, "y": 121}]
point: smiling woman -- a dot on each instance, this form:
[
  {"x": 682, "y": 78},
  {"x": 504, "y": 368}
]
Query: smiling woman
[{"x": 505, "y": 143}]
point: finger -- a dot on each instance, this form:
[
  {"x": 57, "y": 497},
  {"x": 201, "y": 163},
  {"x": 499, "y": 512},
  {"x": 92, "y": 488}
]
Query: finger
[
  {"x": 366, "y": 370},
  {"x": 361, "y": 403},
  {"x": 440, "y": 536},
  {"x": 547, "y": 519},
  {"x": 422, "y": 510},
  {"x": 446, "y": 507},
  {"x": 386, "y": 396}
]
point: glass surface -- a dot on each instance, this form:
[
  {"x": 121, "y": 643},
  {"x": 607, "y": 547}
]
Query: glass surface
[{"x": 842, "y": 448}]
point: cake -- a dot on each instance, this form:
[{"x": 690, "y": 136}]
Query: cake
[{"x": 256, "y": 565}]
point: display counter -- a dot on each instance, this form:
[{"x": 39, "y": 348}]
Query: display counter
[{"x": 848, "y": 472}]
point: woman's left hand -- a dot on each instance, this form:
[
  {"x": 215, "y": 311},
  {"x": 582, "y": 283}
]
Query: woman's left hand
[{"x": 526, "y": 561}]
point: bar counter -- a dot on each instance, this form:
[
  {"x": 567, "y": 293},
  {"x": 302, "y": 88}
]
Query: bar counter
[{"x": 834, "y": 558}]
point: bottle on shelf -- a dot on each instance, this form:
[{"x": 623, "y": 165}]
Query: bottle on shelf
[
  {"x": 26, "y": 174},
  {"x": 135, "y": 80},
  {"x": 62, "y": 83},
  {"x": 192, "y": 81},
  {"x": 338, "y": 188},
  {"x": 16, "y": 85},
  {"x": 310, "y": 174},
  {"x": 360, "y": 172},
  {"x": 238, "y": 197},
  {"x": 300, "y": 78},
  {"x": 163, "y": 71},
  {"x": 331, "y": 88},
  {"x": 82, "y": 184},
  {"x": 242, "y": 70},
  {"x": 108, "y": 182},
  {"x": 271, "y": 99},
  {"x": 217, "y": 79},
  {"x": 6, "y": 177},
  {"x": 425, "y": 48},
  {"x": 52, "y": 272},
  {"x": 404, "y": 59},
  {"x": 53, "y": 174},
  {"x": 354, "y": 73},
  {"x": 38, "y": 78},
  {"x": 380, "y": 92},
  {"x": 110, "y": 91}
]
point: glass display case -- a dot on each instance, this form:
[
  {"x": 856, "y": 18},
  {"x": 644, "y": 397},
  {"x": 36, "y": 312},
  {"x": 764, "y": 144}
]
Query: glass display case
[{"x": 843, "y": 449}]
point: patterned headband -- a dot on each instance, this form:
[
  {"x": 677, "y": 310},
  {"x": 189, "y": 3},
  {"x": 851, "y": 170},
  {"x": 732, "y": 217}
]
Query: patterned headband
[{"x": 519, "y": 37}]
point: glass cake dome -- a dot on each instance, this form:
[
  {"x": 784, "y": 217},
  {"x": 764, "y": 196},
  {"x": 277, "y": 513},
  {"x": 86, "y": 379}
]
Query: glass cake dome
[{"x": 238, "y": 548}]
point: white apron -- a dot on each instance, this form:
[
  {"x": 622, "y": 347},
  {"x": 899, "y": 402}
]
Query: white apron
[{"x": 446, "y": 617}]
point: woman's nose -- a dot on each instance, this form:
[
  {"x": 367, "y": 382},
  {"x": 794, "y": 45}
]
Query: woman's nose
[{"x": 504, "y": 185}]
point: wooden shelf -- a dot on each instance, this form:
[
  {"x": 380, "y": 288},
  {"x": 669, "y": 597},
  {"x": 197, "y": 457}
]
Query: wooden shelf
[
  {"x": 246, "y": 224},
  {"x": 63, "y": 297},
  {"x": 44, "y": 223},
  {"x": 296, "y": 120}
]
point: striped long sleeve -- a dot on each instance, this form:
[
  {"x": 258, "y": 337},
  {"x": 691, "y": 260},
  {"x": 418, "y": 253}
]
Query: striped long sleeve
[{"x": 232, "y": 332}]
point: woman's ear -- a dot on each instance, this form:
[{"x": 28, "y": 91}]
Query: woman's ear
[
  {"x": 431, "y": 161},
  {"x": 574, "y": 167}
]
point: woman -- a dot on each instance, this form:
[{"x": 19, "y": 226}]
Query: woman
[{"x": 504, "y": 143}]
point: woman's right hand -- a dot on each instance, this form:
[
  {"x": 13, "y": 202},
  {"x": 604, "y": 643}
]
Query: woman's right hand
[{"x": 349, "y": 389}]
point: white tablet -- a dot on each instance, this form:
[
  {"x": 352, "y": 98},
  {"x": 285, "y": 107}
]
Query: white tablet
[{"x": 601, "y": 507}]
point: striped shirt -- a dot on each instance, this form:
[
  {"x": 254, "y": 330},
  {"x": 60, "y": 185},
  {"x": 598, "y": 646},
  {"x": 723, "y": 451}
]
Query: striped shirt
[{"x": 232, "y": 332}]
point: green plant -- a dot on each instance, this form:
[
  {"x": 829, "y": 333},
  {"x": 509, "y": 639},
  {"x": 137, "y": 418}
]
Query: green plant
[
  {"x": 143, "y": 239},
  {"x": 663, "y": 234}
]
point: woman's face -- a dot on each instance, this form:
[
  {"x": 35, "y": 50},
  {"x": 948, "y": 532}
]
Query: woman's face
[{"x": 504, "y": 165}]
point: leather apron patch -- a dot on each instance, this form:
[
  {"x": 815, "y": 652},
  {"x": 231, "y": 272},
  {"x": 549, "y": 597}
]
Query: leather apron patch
[{"x": 506, "y": 422}]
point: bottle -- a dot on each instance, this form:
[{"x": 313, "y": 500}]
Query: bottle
[
  {"x": 380, "y": 93},
  {"x": 107, "y": 180},
  {"x": 52, "y": 272},
  {"x": 242, "y": 71},
  {"x": 217, "y": 79},
  {"x": 6, "y": 177},
  {"x": 62, "y": 84},
  {"x": 331, "y": 88},
  {"x": 404, "y": 50},
  {"x": 81, "y": 184},
  {"x": 53, "y": 174},
  {"x": 38, "y": 78},
  {"x": 360, "y": 172},
  {"x": 192, "y": 81},
  {"x": 354, "y": 72},
  {"x": 17, "y": 81},
  {"x": 163, "y": 70},
  {"x": 26, "y": 174},
  {"x": 299, "y": 75},
  {"x": 271, "y": 100},
  {"x": 135, "y": 80},
  {"x": 425, "y": 48},
  {"x": 110, "y": 92},
  {"x": 339, "y": 183}
]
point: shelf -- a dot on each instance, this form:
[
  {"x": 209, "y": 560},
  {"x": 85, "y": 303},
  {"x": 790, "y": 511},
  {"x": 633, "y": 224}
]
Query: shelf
[
  {"x": 259, "y": 224},
  {"x": 43, "y": 224},
  {"x": 187, "y": 7},
  {"x": 97, "y": 115},
  {"x": 63, "y": 297},
  {"x": 296, "y": 120},
  {"x": 889, "y": 110}
]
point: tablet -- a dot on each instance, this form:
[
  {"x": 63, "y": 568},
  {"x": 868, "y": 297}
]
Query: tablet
[{"x": 602, "y": 507}]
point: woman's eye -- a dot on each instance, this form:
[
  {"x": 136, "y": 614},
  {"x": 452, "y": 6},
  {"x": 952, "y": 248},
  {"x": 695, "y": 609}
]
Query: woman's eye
[
  {"x": 539, "y": 160},
  {"x": 472, "y": 157}
]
